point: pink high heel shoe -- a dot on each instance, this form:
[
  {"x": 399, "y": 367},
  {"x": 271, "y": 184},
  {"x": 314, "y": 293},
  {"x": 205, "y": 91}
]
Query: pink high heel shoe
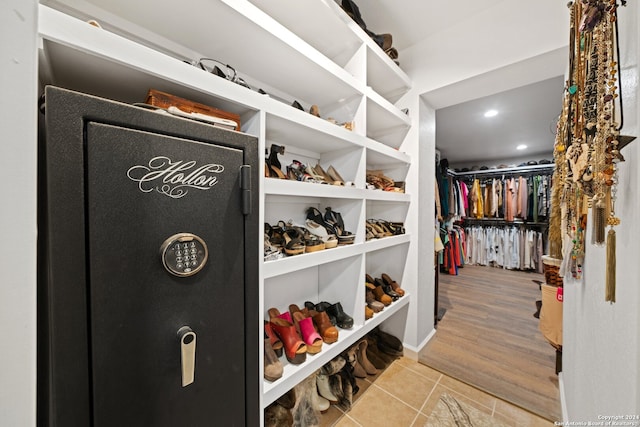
[{"x": 312, "y": 339}]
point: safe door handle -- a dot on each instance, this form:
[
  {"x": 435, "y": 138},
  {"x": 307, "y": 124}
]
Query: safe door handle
[{"x": 187, "y": 354}]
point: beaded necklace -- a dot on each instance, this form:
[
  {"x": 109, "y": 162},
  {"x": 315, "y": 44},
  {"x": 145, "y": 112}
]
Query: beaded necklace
[{"x": 586, "y": 147}]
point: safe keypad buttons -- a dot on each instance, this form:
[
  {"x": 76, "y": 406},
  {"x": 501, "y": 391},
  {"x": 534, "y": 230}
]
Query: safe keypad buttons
[{"x": 184, "y": 254}]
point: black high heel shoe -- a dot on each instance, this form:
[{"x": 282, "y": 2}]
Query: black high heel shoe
[
  {"x": 275, "y": 168},
  {"x": 335, "y": 219}
]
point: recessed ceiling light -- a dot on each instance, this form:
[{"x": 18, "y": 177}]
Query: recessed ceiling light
[
  {"x": 521, "y": 147},
  {"x": 491, "y": 113}
]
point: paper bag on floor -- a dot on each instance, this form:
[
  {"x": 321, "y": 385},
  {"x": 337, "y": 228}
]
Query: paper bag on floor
[{"x": 551, "y": 316}]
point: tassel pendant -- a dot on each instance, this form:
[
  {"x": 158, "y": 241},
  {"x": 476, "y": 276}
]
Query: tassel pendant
[
  {"x": 610, "y": 290},
  {"x": 599, "y": 221}
]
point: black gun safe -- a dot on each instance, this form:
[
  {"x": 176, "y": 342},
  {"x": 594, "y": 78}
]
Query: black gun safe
[{"x": 148, "y": 268}]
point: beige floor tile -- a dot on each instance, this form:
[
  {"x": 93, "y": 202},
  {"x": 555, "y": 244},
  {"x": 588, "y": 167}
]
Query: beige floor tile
[
  {"x": 330, "y": 417},
  {"x": 431, "y": 403},
  {"x": 518, "y": 417},
  {"x": 378, "y": 408},
  {"x": 346, "y": 421},
  {"x": 420, "y": 421},
  {"x": 363, "y": 386},
  {"x": 468, "y": 391},
  {"x": 419, "y": 368},
  {"x": 404, "y": 384}
]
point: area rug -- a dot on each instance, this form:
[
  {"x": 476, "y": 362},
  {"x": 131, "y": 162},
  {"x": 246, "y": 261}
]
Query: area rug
[{"x": 449, "y": 412}]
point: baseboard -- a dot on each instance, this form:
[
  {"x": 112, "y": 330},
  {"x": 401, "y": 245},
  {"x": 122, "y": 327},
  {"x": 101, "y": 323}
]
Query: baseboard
[
  {"x": 412, "y": 352},
  {"x": 563, "y": 399}
]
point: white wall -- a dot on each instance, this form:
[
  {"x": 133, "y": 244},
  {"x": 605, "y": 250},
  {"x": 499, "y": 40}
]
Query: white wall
[
  {"x": 18, "y": 24},
  {"x": 426, "y": 205},
  {"x": 601, "y": 361}
]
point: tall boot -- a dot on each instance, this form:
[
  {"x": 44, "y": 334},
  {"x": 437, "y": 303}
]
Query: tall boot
[{"x": 361, "y": 355}]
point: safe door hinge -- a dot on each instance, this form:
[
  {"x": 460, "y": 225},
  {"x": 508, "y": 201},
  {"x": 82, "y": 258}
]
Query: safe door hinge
[{"x": 245, "y": 188}]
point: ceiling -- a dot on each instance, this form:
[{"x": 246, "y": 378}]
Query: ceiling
[
  {"x": 410, "y": 21},
  {"x": 526, "y": 115}
]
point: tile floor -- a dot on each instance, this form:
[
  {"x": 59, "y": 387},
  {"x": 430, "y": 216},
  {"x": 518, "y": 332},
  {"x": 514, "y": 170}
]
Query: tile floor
[{"x": 406, "y": 393}]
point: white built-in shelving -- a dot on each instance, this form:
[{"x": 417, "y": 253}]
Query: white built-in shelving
[{"x": 311, "y": 52}]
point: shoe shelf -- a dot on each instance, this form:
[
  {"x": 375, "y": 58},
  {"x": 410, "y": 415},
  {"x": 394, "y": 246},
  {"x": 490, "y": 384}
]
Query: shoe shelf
[
  {"x": 293, "y": 374},
  {"x": 325, "y": 26},
  {"x": 284, "y": 61},
  {"x": 301, "y": 53},
  {"x": 300, "y": 262},
  {"x": 81, "y": 57},
  {"x": 286, "y": 187},
  {"x": 289, "y": 126},
  {"x": 384, "y": 76},
  {"x": 319, "y": 23},
  {"x": 386, "y": 242}
]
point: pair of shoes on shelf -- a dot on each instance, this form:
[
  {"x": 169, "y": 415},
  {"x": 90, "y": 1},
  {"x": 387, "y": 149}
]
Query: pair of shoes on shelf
[
  {"x": 377, "y": 228},
  {"x": 295, "y": 349},
  {"x": 336, "y": 314},
  {"x": 292, "y": 240},
  {"x": 356, "y": 356},
  {"x": 297, "y": 333},
  {"x": 377, "y": 180},
  {"x": 330, "y": 240},
  {"x": 335, "y": 220},
  {"x": 387, "y": 343},
  {"x": 321, "y": 321},
  {"x": 316, "y": 222},
  {"x": 330, "y": 176},
  {"x": 384, "y": 290},
  {"x": 373, "y": 303}
]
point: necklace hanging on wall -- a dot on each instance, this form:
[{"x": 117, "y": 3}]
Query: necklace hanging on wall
[{"x": 587, "y": 147}]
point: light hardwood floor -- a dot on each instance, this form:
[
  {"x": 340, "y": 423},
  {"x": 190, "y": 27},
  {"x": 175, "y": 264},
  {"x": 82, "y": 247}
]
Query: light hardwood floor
[{"x": 489, "y": 338}]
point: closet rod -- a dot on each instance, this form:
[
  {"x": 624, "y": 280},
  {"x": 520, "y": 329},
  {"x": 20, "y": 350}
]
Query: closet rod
[
  {"x": 501, "y": 221},
  {"x": 504, "y": 171}
]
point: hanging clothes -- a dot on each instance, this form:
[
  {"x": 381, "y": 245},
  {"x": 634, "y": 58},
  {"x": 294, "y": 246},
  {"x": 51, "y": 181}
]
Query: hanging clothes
[{"x": 509, "y": 247}]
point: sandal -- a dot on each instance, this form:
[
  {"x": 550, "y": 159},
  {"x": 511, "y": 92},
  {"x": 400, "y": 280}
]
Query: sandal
[
  {"x": 316, "y": 216},
  {"x": 330, "y": 240},
  {"x": 271, "y": 252},
  {"x": 293, "y": 244}
]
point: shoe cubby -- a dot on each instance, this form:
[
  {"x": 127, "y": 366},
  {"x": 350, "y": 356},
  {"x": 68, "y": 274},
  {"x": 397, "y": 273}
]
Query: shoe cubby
[
  {"x": 311, "y": 52},
  {"x": 337, "y": 281}
]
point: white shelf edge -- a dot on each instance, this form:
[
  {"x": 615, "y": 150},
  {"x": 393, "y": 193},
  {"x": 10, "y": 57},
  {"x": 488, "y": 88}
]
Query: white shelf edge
[
  {"x": 387, "y": 196},
  {"x": 388, "y": 106},
  {"x": 385, "y": 150},
  {"x": 386, "y": 242},
  {"x": 293, "y": 374},
  {"x": 302, "y": 118},
  {"x": 287, "y": 187},
  {"x": 269, "y": 24},
  {"x": 384, "y": 60},
  {"x": 300, "y": 262}
]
